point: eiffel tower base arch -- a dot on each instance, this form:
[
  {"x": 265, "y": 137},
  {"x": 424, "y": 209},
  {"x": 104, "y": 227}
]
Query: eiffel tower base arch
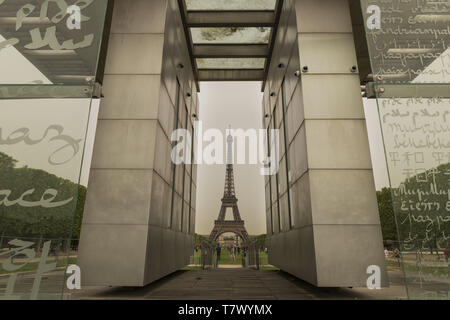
[{"x": 236, "y": 227}]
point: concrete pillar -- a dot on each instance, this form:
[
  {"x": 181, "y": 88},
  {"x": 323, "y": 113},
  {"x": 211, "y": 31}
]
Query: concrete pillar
[
  {"x": 335, "y": 233},
  {"x": 126, "y": 237}
]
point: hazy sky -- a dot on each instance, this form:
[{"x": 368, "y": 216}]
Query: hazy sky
[{"x": 239, "y": 104}]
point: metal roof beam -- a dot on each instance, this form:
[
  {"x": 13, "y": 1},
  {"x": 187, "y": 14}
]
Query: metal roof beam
[
  {"x": 231, "y": 50},
  {"x": 230, "y": 74},
  {"x": 230, "y": 18}
]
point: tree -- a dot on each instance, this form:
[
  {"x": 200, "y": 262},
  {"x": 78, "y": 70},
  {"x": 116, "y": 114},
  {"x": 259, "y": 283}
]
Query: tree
[
  {"x": 387, "y": 217},
  {"x": 37, "y": 222},
  {"x": 79, "y": 212},
  {"x": 421, "y": 208},
  {"x": 7, "y": 163},
  {"x": 199, "y": 238}
]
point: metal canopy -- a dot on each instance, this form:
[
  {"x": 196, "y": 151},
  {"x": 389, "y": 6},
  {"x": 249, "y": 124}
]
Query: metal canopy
[
  {"x": 230, "y": 40},
  {"x": 230, "y": 18}
]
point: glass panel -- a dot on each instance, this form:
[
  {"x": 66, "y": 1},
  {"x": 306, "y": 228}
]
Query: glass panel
[
  {"x": 409, "y": 52},
  {"x": 48, "y": 63},
  {"x": 231, "y": 35},
  {"x": 40, "y": 45},
  {"x": 230, "y": 4},
  {"x": 411, "y": 42},
  {"x": 41, "y": 155},
  {"x": 231, "y": 63}
]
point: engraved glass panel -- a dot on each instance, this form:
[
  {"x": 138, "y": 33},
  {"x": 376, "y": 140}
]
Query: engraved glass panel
[
  {"x": 50, "y": 42},
  {"x": 251, "y": 35},
  {"x": 42, "y": 142},
  {"x": 49, "y": 52},
  {"x": 409, "y": 43},
  {"x": 410, "y": 56},
  {"x": 231, "y": 63},
  {"x": 201, "y": 5}
]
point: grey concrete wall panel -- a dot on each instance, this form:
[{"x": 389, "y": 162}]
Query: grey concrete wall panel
[
  {"x": 127, "y": 238},
  {"x": 330, "y": 198},
  {"x": 323, "y": 96},
  {"x": 325, "y": 16},
  {"x": 107, "y": 260},
  {"x": 142, "y": 17},
  {"x": 118, "y": 197},
  {"x": 134, "y": 54},
  {"x": 137, "y": 98},
  {"x": 337, "y": 144},
  {"x": 335, "y": 233},
  {"x": 343, "y": 253},
  {"x": 125, "y": 144}
]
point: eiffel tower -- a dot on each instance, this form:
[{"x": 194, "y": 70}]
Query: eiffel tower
[{"x": 229, "y": 200}]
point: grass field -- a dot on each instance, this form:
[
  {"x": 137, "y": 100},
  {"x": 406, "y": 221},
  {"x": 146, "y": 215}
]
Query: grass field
[
  {"x": 395, "y": 265},
  {"x": 226, "y": 258}
]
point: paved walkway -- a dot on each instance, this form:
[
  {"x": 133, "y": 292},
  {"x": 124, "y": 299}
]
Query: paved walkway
[{"x": 234, "y": 284}]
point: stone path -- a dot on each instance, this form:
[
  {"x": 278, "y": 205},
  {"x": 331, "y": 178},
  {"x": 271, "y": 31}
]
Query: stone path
[{"x": 235, "y": 284}]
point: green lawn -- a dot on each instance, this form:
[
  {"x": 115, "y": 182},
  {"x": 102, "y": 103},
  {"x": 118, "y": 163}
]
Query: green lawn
[
  {"x": 411, "y": 267},
  {"x": 225, "y": 258}
]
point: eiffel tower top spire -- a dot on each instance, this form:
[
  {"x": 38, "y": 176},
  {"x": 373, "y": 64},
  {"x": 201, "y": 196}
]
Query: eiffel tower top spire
[
  {"x": 229, "y": 192},
  {"x": 230, "y": 149}
]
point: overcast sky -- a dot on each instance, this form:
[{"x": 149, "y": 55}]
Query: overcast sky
[{"x": 239, "y": 104}]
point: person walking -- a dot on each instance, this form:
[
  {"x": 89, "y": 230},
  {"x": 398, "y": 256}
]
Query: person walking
[
  {"x": 233, "y": 253},
  {"x": 447, "y": 255},
  {"x": 218, "y": 251},
  {"x": 396, "y": 254},
  {"x": 243, "y": 254}
]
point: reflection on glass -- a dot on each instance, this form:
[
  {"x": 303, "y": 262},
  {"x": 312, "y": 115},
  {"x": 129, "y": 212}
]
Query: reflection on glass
[
  {"x": 230, "y": 35},
  {"x": 231, "y": 63},
  {"x": 230, "y": 4}
]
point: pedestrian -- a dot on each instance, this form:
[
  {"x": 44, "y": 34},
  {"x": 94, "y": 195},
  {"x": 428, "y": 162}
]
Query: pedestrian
[
  {"x": 386, "y": 253},
  {"x": 447, "y": 254},
  {"x": 396, "y": 254},
  {"x": 218, "y": 251},
  {"x": 243, "y": 254},
  {"x": 233, "y": 253}
]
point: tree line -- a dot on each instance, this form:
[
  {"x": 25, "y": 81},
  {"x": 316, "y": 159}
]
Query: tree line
[
  {"x": 417, "y": 212},
  {"x": 37, "y": 222}
]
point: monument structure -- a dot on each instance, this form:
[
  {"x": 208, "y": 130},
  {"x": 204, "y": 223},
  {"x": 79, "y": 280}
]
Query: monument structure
[
  {"x": 135, "y": 79},
  {"x": 229, "y": 200}
]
